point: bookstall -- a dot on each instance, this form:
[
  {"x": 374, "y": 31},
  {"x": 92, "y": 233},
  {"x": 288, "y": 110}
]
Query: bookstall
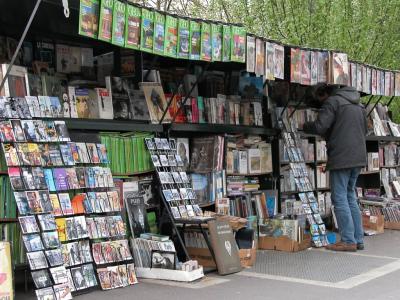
[{"x": 138, "y": 143}]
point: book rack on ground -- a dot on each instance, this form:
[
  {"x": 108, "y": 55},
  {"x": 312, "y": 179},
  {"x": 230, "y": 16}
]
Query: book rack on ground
[
  {"x": 68, "y": 209},
  {"x": 303, "y": 186}
]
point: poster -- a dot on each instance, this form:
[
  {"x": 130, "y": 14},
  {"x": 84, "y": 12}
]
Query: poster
[{"x": 6, "y": 280}]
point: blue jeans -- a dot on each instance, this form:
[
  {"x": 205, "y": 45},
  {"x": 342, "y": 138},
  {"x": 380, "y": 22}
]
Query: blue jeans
[{"x": 344, "y": 199}]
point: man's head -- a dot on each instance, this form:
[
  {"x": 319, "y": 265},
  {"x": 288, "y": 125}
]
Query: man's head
[{"x": 322, "y": 91}]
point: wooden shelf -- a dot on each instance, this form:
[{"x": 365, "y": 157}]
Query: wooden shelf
[{"x": 8, "y": 220}]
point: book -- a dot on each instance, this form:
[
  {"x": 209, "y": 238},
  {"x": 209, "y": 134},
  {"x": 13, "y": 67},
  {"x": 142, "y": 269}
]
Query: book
[
  {"x": 238, "y": 44},
  {"x": 195, "y": 41},
  {"x": 62, "y": 131},
  {"x": 295, "y": 65},
  {"x": 118, "y": 23},
  {"x": 37, "y": 260},
  {"x": 156, "y": 101},
  {"x": 82, "y": 103},
  {"x": 225, "y": 247},
  {"x": 132, "y": 31},
  {"x": 305, "y": 67},
  {"x": 139, "y": 110},
  {"x": 42, "y": 280},
  {"x": 106, "y": 20},
  {"x": 120, "y": 89},
  {"x": 136, "y": 208},
  {"x": 100, "y": 104},
  {"x": 68, "y": 59},
  {"x": 147, "y": 30},
  {"x": 279, "y": 61},
  {"x": 16, "y": 84},
  {"x": 340, "y": 68},
  {"x": 88, "y": 18},
  {"x": 206, "y": 47},
  {"x": 171, "y": 36}
]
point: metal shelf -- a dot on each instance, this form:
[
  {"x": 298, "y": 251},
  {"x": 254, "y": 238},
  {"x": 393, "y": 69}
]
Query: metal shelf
[
  {"x": 383, "y": 138},
  {"x": 111, "y": 125},
  {"x": 133, "y": 173},
  {"x": 8, "y": 220},
  {"x": 221, "y": 128}
]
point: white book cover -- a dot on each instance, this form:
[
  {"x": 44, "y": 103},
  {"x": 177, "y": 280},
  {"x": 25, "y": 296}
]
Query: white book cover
[
  {"x": 243, "y": 167},
  {"x": 72, "y": 102},
  {"x": 254, "y": 160}
]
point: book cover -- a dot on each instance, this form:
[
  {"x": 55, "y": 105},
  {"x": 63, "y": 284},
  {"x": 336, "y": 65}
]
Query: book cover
[
  {"x": 226, "y": 42},
  {"x": 37, "y": 260},
  {"x": 22, "y": 203},
  {"x": 118, "y": 23},
  {"x": 72, "y": 102},
  {"x": 68, "y": 59},
  {"x": 82, "y": 103},
  {"x": 60, "y": 177},
  {"x": 89, "y": 18},
  {"x": 106, "y": 18},
  {"x": 66, "y": 154},
  {"x": 156, "y": 101},
  {"x": 305, "y": 67},
  {"x": 93, "y": 154},
  {"x": 159, "y": 33},
  {"x": 295, "y": 65},
  {"x": 132, "y": 32},
  {"x": 7, "y": 133},
  {"x": 183, "y": 38},
  {"x": 62, "y": 131},
  {"x": 206, "y": 49},
  {"x": 397, "y": 84},
  {"x": 16, "y": 179},
  {"x": 216, "y": 41},
  {"x": 18, "y": 131},
  {"x": 102, "y": 151},
  {"x": 136, "y": 208},
  {"x": 250, "y": 54},
  {"x": 55, "y": 204},
  {"x": 238, "y": 44},
  {"x": 120, "y": 89},
  {"x": 171, "y": 36},
  {"x": 42, "y": 280},
  {"x": 225, "y": 247},
  {"x": 138, "y": 106},
  {"x": 10, "y": 154},
  {"x": 269, "y": 61},
  {"x": 147, "y": 30},
  {"x": 314, "y": 67},
  {"x": 260, "y": 57},
  {"x": 33, "y": 242},
  {"x": 195, "y": 41}
]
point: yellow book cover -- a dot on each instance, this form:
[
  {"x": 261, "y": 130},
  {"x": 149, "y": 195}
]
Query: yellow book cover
[
  {"x": 6, "y": 280},
  {"x": 61, "y": 229}
]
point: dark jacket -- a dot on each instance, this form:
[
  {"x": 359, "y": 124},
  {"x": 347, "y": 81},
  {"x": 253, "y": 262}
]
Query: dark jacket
[{"x": 342, "y": 122}]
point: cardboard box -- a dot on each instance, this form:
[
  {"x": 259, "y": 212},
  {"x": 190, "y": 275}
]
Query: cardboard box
[
  {"x": 392, "y": 225},
  {"x": 373, "y": 223},
  {"x": 203, "y": 256},
  {"x": 283, "y": 243},
  {"x": 174, "y": 275}
]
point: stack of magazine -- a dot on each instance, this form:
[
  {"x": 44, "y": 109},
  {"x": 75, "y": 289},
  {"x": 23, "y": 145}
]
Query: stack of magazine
[{"x": 302, "y": 183}]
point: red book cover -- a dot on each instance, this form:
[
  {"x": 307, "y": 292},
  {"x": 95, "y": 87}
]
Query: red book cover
[{"x": 195, "y": 111}]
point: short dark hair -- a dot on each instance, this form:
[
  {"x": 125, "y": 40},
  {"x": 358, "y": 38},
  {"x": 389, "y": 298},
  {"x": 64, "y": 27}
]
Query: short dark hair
[{"x": 322, "y": 88}]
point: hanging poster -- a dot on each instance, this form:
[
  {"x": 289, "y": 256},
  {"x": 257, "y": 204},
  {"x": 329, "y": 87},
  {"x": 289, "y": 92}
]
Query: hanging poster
[
  {"x": 279, "y": 61},
  {"x": 323, "y": 59},
  {"x": 397, "y": 84},
  {"x": 106, "y": 14},
  {"x": 295, "y": 65},
  {"x": 260, "y": 57},
  {"x": 382, "y": 82},
  {"x": 340, "y": 69},
  {"x": 118, "y": 32},
  {"x": 378, "y": 82},
  {"x": 359, "y": 78},
  {"x": 250, "y": 54},
  {"x": 305, "y": 67},
  {"x": 314, "y": 67},
  {"x": 159, "y": 34},
  {"x": 353, "y": 75},
  {"x": 216, "y": 42},
  {"x": 238, "y": 46},
  {"x": 392, "y": 84},
  {"x": 373, "y": 81},
  {"x": 205, "y": 53},
  {"x": 171, "y": 36},
  {"x": 387, "y": 83},
  {"x": 147, "y": 30},
  {"x": 183, "y": 38},
  {"x": 89, "y": 18},
  {"x": 194, "y": 40},
  {"x": 368, "y": 77},
  {"x": 269, "y": 61},
  {"x": 132, "y": 33},
  {"x": 226, "y": 42}
]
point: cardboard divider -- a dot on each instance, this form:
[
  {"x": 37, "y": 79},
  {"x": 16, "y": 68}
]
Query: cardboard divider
[
  {"x": 374, "y": 223},
  {"x": 283, "y": 243},
  {"x": 392, "y": 225}
]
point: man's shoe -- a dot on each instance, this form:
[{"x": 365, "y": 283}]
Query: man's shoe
[
  {"x": 360, "y": 246},
  {"x": 341, "y": 246}
]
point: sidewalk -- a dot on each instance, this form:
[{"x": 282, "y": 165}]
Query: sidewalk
[{"x": 312, "y": 274}]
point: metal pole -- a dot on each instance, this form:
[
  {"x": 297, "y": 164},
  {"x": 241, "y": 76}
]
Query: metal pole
[
  {"x": 390, "y": 101},
  {"x": 369, "y": 100},
  {"x": 28, "y": 25}
]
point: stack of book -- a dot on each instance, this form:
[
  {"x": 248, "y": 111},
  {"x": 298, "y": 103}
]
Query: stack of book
[
  {"x": 389, "y": 155},
  {"x": 209, "y": 187},
  {"x": 307, "y": 149},
  {"x": 288, "y": 183},
  {"x": 127, "y": 152},
  {"x": 322, "y": 177},
  {"x": 372, "y": 162},
  {"x": 247, "y": 155},
  {"x": 300, "y": 116},
  {"x": 322, "y": 154},
  {"x": 207, "y": 154},
  {"x": 380, "y": 123}
]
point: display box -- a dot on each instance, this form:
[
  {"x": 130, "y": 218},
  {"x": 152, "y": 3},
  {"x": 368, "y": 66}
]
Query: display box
[
  {"x": 392, "y": 225},
  {"x": 283, "y": 243},
  {"x": 174, "y": 275},
  {"x": 374, "y": 224},
  {"x": 204, "y": 258}
]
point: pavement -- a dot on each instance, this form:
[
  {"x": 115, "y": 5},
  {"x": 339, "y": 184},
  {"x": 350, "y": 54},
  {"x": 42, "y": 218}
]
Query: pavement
[{"x": 311, "y": 274}]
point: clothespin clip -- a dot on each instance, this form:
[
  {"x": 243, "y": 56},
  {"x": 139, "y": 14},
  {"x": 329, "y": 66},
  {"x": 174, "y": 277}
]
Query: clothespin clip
[{"x": 66, "y": 8}]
